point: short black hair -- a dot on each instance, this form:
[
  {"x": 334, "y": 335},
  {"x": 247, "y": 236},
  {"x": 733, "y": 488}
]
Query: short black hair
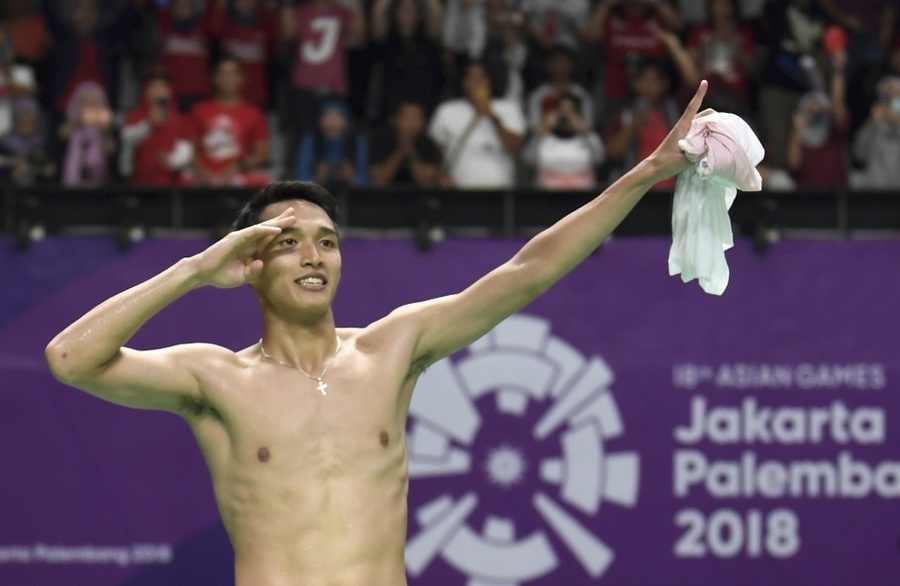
[
  {"x": 283, "y": 191},
  {"x": 218, "y": 63}
]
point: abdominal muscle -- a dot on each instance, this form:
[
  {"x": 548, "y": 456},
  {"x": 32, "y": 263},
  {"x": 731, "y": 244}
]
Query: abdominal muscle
[
  {"x": 311, "y": 518},
  {"x": 311, "y": 488},
  {"x": 351, "y": 537}
]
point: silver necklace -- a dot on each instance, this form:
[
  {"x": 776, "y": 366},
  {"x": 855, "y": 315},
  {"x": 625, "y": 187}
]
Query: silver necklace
[{"x": 321, "y": 385}]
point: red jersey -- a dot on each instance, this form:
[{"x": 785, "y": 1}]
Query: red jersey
[
  {"x": 321, "y": 58},
  {"x": 252, "y": 45},
  {"x": 628, "y": 38},
  {"x": 151, "y": 152},
  {"x": 185, "y": 56},
  {"x": 226, "y": 134}
]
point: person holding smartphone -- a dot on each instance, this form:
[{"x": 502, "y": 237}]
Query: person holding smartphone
[{"x": 157, "y": 139}]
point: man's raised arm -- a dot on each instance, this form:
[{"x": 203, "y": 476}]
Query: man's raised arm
[
  {"x": 443, "y": 326},
  {"x": 90, "y": 353}
]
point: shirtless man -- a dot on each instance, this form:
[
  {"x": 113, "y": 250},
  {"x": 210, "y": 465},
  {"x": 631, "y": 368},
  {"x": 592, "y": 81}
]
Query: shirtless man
[{"x": 304, "y": 432}]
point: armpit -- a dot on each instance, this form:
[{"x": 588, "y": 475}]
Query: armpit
[{"x": 197, "y": 408}]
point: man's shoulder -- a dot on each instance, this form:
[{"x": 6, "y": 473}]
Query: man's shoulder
[
  {"x": 207, "y": 351},
  {"x": 394, "y": 325}
]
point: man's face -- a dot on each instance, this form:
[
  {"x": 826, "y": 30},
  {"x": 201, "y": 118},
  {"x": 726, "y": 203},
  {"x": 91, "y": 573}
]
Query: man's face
[
  {"x": 302, "y": 266},
  {"x": 183, "y": 9},
  {"x": 159, "y": 89},
  {"x": 651, "y": 84},
  {"x": 476, "y": 82},
  {"x": 85, "y": 16},
  {"x": 332, "y": 123},
  {"x": 409, "y": 120},
  {"x": 229, "y": 79}
]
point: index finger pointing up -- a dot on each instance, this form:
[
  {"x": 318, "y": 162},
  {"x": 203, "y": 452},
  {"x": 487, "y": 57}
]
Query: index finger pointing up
[{"x": 694, "y": 106}]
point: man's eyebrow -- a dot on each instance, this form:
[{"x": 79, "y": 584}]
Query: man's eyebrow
[{"x": 319, "y": 231}]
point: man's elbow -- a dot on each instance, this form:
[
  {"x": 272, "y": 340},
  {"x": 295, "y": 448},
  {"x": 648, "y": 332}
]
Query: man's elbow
[
  {"x": 59, "y": 362},
  {"x": 65, "y": 367}
]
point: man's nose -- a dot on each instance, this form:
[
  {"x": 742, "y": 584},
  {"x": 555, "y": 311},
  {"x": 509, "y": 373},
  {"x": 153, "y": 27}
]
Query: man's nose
[{"x": 309, "y": 255}]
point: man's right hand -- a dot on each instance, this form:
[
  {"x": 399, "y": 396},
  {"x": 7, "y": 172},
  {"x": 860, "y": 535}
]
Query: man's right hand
[{"x": 232, "y": 261}]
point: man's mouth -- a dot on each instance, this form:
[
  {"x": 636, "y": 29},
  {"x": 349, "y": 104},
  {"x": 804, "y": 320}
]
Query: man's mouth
[{"x": 314, "y": 283}]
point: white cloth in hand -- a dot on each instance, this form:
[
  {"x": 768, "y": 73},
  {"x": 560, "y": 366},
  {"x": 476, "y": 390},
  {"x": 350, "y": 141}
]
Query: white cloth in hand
[{"x": 724, "y": 152}]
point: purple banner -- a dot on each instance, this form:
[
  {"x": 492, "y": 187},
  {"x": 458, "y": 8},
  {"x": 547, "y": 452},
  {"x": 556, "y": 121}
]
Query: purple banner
[{"x": 623, "y": 429}]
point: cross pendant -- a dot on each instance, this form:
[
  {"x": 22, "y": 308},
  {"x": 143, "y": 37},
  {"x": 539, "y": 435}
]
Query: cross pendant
[{"x": 322, "y": 386}]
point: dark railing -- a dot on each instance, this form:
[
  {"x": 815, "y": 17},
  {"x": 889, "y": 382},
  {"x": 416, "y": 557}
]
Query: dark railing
[{"x": 130, "y": 214}]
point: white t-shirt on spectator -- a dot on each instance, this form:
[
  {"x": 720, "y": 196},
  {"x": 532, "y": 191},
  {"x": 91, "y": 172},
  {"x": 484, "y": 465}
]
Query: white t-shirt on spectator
[
  {"x": 565, "y": 163},
  {"x": 480, "y": 162}
]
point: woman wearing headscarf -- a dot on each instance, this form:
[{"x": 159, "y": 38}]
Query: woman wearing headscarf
[
  {"x": 23, "y": 153},
  {"x": 88, "y": 137}
]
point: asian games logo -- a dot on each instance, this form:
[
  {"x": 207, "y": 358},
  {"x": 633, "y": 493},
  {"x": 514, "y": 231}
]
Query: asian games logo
[{"x": 509, "y": 464}]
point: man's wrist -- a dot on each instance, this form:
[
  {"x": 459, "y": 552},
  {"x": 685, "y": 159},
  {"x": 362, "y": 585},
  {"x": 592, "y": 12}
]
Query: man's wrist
[
  {"x": 188, "y": 270},
  {"x": 653, "y": 169}
]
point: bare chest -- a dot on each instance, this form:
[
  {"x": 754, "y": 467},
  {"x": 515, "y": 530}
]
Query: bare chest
[{"x": 278, "y": 416}]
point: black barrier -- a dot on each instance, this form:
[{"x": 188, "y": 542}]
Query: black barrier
[{"x": 130, "y": 214}]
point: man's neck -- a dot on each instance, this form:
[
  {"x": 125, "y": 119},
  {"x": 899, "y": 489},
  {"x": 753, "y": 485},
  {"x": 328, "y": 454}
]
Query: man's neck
[
  {"x": 229, "y": 100},
  {"x": 306, "y": 345}
]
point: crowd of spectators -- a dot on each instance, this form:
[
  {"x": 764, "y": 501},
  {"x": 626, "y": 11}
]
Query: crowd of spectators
[{"x": 469, "y": 94}]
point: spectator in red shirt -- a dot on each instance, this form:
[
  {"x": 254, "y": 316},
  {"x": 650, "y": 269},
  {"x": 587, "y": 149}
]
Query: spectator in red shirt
[
  {"x": 248, "y": 31},
  {"x": 157, "y": 139},
  {"x": 723, "y": 50},
  {"x": 318, "y": 30},
  {"x": 185, "y": 39},
  {"x": 232, "y": 136},
  {"x": 626, "y": 30},
  {"x": 645, "y": 121}
]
